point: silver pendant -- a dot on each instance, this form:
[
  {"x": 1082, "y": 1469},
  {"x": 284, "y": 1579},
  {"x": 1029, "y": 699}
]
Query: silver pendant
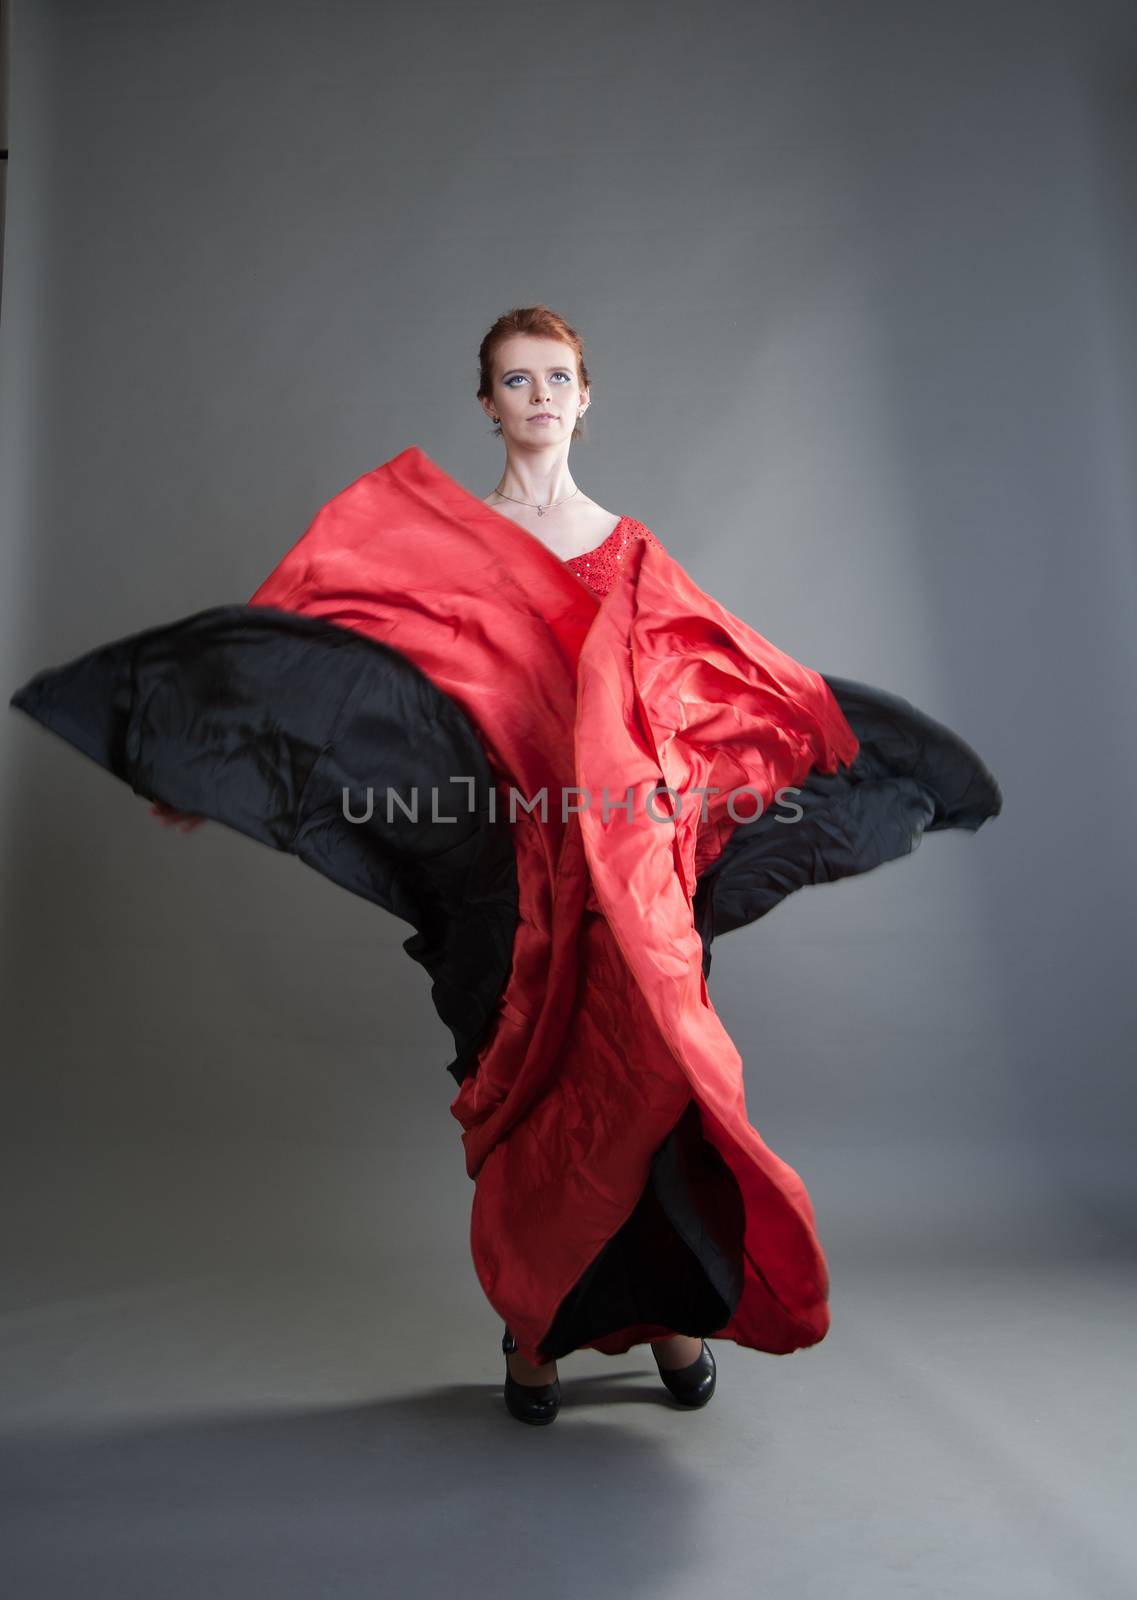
[{"x": 540, "y": 512}]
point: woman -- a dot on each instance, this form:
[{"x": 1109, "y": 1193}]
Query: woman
[{"x": 492, "y": 651}]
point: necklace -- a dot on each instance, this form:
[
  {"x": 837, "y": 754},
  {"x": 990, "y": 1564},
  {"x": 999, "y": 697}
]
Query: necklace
[{"x": 540, "y": 509}]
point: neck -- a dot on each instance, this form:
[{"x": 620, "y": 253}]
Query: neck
[{"x": 537, "y": 482}]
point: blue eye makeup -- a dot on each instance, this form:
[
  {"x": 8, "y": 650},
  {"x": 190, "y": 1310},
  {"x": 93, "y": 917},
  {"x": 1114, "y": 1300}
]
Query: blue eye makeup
[{"x": 508, "y": 382}]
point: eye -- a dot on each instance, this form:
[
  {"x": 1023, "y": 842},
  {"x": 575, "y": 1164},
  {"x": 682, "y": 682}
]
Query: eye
[{"x": 520, "y": 377}]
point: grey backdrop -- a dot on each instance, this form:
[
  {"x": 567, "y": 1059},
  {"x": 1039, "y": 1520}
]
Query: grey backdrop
[{"x": 855, "y": 284}]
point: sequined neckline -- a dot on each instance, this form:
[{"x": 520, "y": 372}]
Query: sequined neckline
[{"x": 568, "y": 560}]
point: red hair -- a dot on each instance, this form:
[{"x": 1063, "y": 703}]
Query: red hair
[{"x": 542, "y": 322}]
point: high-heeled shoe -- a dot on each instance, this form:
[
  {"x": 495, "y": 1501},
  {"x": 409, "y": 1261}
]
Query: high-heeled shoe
[
  {"x": 529, "y": 1402},
  {"x": 692, "y": 1385}
]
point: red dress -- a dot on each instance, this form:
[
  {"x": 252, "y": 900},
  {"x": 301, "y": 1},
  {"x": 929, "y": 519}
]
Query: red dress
[
  {"x": 621, "y": 1191},
  {"x": 601, "y": 566}
]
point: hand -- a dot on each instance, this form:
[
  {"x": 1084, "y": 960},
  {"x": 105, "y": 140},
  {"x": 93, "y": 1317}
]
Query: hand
[{"x": 166, "y": 815}]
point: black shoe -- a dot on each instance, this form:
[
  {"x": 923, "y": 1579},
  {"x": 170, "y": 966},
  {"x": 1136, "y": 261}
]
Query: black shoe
[
  {"x": 529, "y": 1402},
  {"x": 692, "y": 1385}
]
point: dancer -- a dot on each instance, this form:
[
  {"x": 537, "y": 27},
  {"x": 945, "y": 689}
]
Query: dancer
[{"x": 518, "y": 724}]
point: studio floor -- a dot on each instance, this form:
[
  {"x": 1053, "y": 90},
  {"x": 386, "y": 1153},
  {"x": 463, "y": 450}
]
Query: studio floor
[{"x": 966, "y": 1428}]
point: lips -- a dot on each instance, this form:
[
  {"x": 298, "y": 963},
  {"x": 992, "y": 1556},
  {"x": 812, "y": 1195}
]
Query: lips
[{"x": 543, "y": 416}]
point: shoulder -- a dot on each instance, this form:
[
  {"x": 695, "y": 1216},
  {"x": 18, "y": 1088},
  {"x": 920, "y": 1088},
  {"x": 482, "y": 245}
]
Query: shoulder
[{"x": 633, "y": 528}]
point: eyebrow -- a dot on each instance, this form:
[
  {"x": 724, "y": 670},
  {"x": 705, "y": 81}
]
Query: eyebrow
[{"x": 559, "y": 366}]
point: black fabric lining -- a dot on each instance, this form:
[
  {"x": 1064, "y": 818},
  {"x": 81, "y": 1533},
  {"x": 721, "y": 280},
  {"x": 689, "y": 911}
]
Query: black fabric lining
[
  {"x": 676, "y": 1261},
  {"x": 911, "y": 776},
  {"x": 259, "y": 719}
]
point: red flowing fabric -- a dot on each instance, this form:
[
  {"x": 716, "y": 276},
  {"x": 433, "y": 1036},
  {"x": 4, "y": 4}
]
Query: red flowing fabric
[{"x": 605, "y": 1029}]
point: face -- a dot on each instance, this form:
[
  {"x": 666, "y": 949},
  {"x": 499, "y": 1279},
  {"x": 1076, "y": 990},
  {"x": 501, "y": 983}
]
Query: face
[{"x": 535, "y": 376}]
